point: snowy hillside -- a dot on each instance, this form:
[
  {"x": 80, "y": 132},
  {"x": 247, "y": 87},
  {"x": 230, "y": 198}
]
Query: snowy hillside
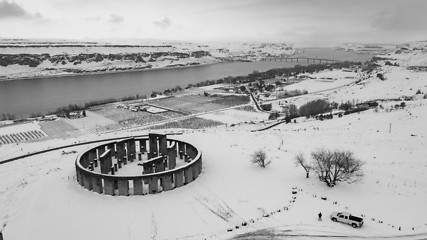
[
  {"x": 30, "y": 58},
  {"x": 410, "y": 54}
]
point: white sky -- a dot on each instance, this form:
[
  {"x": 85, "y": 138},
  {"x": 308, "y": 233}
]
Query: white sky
[{"x": 297, "y": 21}]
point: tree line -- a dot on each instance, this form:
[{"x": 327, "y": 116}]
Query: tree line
[{"x": 322, "y": 108}]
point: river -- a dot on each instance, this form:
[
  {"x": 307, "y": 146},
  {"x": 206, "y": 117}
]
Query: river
[{"x": 41, "y": 95}]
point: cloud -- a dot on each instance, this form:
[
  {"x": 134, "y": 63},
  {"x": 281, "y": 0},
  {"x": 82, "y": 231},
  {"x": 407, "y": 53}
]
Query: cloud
[
  {"x": 402, "y": 18},
  {"x": 12, "y": 10},
  {"x": 115, "y": 18},
  {"x": 164, "y": 23}
]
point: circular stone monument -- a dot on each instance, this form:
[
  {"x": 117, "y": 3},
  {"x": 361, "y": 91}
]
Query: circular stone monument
[{"x": 138, "y": 166}]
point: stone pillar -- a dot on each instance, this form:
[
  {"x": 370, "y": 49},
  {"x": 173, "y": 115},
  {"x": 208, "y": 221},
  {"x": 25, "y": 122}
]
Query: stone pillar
[
  {"x": 138, "y": 187},
  {"x": 191, "y": 152},
  {"x": 97, "y": 184},
  {"x": 163, "y": 145},
  {"x": 195, "y": 170},
  {"x": 188, "y": 174},
  {"x": 112, "y": 149},
  {"x": 165, "y": 162},
  {"x": 152, "y": 141},
  {"x": 167, "y": 182},
  {"x": 105, "y": 162},
  {"x": 152, "y": 185},
  {"x": 79, "y": 176},
  {"x": 87, "y": 181},
  {"x": 200, "y": 164},
  {"x": 179, "y": 179},
  {"x": 131, "y": 149},
  {"x": 120, "y": 150},
  {"x": 84, "y": 160},
  {"x": 172, "y": 156},
  {"x": 123, "y": 187},
  {"x": 181, "y": 149},
  {"x": 109, "y": 186},
  {"x": 101, "y": 150},
  {"x": 143, "y": 146},
  {"x": 92, "y": 155}
]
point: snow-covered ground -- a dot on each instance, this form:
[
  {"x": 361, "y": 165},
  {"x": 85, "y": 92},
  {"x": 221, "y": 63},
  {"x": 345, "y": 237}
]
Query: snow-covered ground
[
  {"x": 233, "y": 116},
  {"x": 20, "y": 128},
  {"x": 399, "y": 83},
  {"x": 40, "y": 198},
  {"x": 410, "y": 54},
  {"x": 324, "y": 80}
]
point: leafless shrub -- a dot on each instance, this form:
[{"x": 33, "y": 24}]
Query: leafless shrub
[
  {"x": 300, "y": 161},
  {"x": 259, "y": 157}
]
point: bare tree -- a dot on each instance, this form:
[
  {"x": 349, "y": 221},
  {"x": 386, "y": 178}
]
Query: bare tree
[
  {"x": 336, "y": 166},
  {"x": 259, "y": 157},
  {"x": 351, "y": 167},
  {"x": 300, "y": 161},
  {"x": 321, "y": 163}
]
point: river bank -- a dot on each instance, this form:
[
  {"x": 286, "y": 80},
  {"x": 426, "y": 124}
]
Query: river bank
[
  {"x": 110, "y": 68},
  {"x": 97, "y": 72}
]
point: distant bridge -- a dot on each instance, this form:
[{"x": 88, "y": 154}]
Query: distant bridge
[{"x": 299, "y": 59}]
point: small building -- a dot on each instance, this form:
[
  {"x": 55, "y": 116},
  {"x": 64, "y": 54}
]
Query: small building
[
  {"x": 280, "y": 77},
  {"x": 50, "y": 117},
  {"x": 74, "y": 115},
  {"x": 6, "y": 122}
]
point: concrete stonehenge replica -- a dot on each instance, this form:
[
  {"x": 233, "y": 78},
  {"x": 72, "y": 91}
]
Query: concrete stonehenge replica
[{"x": 156, "y": 156}]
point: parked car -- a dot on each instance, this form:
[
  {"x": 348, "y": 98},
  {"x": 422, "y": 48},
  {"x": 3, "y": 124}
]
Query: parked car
[{"x": 346, "y": 217}]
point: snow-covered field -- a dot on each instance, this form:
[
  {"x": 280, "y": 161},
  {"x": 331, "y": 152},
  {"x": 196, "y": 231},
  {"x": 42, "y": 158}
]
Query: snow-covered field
[
  {"x": 233, "y": 116},
  {"x": 324, "y": 80},
  {"x": 40, "y": 198},
  {"x": 399, "y": 83}
]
